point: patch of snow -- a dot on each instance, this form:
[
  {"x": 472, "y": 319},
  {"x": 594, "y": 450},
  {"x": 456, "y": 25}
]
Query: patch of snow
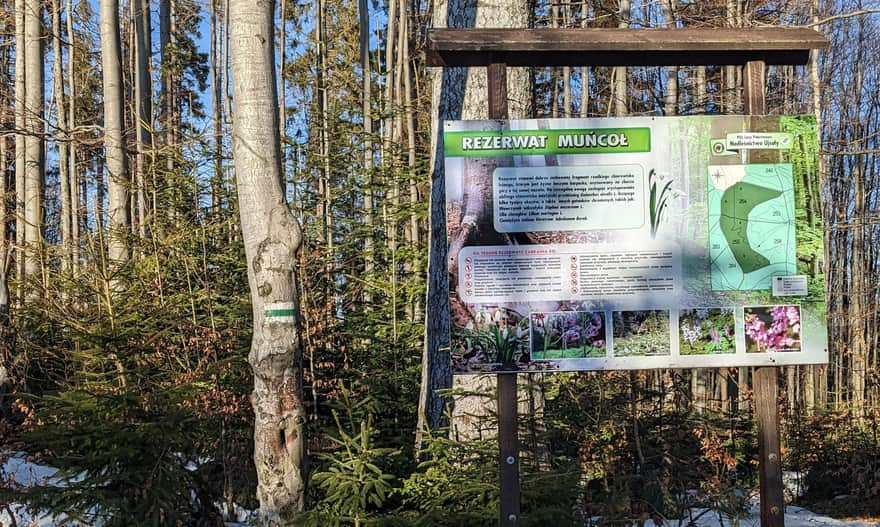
[
  {"x": 27, "y": 473},
  {"x": 22, "y": 472},
  {"x": 239, "y": 514},
  {"x": 794, "y": 517},
  {"x": 794, "y": 484},
  {"x": 18, "y": 471}
]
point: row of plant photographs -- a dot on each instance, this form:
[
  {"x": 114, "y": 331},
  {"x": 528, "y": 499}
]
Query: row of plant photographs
[{"x": 705, "y": 331}]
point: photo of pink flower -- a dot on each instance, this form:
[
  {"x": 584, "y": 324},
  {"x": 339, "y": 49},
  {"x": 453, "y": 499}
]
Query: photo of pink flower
[{"x": 772, "y": 328}]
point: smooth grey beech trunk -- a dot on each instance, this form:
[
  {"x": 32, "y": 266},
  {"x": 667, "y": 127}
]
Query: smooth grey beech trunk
[
  {"x": 19, "y": 138},
  {"x": 119, "y": 208},
  {"x": 271, "y": 239},
  {"x": 33, "y": 141}
]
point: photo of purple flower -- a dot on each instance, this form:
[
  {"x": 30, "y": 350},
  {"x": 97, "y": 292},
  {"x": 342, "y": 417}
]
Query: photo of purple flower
[
  {"x": 706, "y": 331},
  {"x": 567, "y": 335},
  {"x": 772, "y": 328}
]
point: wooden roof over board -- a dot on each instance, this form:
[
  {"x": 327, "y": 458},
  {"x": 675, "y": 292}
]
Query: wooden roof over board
[{"x": 621, "y": 47}]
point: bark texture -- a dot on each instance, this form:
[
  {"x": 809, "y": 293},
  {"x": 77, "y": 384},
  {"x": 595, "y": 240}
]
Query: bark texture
[
  {"x": 33, "y": 141},
  {"x": 271, "y": 238},
  {"x": 19, "y": 136},
  {"x": 143, "y": 94},
  {"x": 458, "y": 93},
  {"x": 62, "y": 144},
  {"x": 119, "y": 208}
]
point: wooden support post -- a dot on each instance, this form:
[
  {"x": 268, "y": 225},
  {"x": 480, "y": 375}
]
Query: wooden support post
[
  {"x": 765, "y": 378},
  {"x": 508, "y": 439},
  {"x": 508, "y": 450},
  {"x": 497, "y": 86}
]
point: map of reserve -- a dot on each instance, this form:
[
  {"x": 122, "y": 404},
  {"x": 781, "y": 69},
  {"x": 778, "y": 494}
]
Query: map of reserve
[{"x": 751, "y": 225}]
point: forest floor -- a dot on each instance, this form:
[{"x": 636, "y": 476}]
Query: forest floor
[{"x": 24, "y": 472}]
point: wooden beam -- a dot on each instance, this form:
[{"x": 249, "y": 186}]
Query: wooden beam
[{"x": 621, "y": 47}]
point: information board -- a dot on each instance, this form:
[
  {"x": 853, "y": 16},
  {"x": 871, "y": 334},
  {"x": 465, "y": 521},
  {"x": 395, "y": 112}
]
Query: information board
[{"x": 634, "y": 243}]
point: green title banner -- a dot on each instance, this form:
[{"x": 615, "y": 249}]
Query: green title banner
[{"x": 547, "y": 142}]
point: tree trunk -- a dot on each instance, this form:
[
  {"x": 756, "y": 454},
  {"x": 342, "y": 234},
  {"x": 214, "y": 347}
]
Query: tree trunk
[
  {"x": 812, "y": 401},
  {"x": 166, "y": 97},
  {"x": 20, "y": 146},
  {"x": 731, "y": 87},
  {"x": 585, "y": 71},
  {"x": 457, "y": 94},
  {"x": 620, "y": 91},
  {"x": 143, "y": 87},
  {"x": 366, "y": 100},
  {"x": 217, "y": 110},
  {"x": 325, "y": 220},
  {"x": 271, "y": 239},
  {"x": 62, "y": 143},
  {"x": 409, "y": 115},
  {"x": 73, "y": 173},
  {"x": 671, "y": 103},
  {"x": 860, "y": 252},
  {"x": 118, "y": 207},
  {"x": 34, "y": 158},
  {"x": 5, "y": 251}
]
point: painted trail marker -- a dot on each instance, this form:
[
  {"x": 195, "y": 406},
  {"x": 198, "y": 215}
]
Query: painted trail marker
[{"x": 280, "y": 312}]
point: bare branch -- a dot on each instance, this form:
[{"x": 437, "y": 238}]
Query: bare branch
[{"x": 869, "y": 11}]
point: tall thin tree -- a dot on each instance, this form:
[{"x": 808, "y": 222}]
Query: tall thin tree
[
  {"x": 271, "y": 239},
  {"x": 118, "y": 209},
  {"x": 34, "y": 128}
]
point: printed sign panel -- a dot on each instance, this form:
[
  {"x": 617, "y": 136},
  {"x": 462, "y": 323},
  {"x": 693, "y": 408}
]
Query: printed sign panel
[{"x": 632, "y": 243}]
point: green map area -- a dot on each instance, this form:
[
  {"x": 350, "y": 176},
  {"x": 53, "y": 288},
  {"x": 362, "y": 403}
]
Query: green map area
[
  {"x": 751, "y": 225},
  {"x": 737, "y": 203}
]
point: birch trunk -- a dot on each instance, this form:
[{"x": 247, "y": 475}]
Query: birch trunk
[
  {"x": 118, "y": 207},
  {"x": 271, "y": 239}
]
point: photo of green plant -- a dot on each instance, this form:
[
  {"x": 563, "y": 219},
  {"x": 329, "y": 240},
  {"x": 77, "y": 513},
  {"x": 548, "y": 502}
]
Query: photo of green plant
[
  {"x": 706, "y": 331},
  {"x": 641, "y": 333},
  {"x": 567, "y": 335},
  {"x": 496, "y": 338},
  {"x": 773, "y": 328}
]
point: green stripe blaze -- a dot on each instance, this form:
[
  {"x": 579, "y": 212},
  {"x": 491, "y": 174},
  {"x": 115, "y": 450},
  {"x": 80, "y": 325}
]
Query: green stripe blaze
[
  {"x": 497, "y": 143},
  {"x": 269, "y": 313}
]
